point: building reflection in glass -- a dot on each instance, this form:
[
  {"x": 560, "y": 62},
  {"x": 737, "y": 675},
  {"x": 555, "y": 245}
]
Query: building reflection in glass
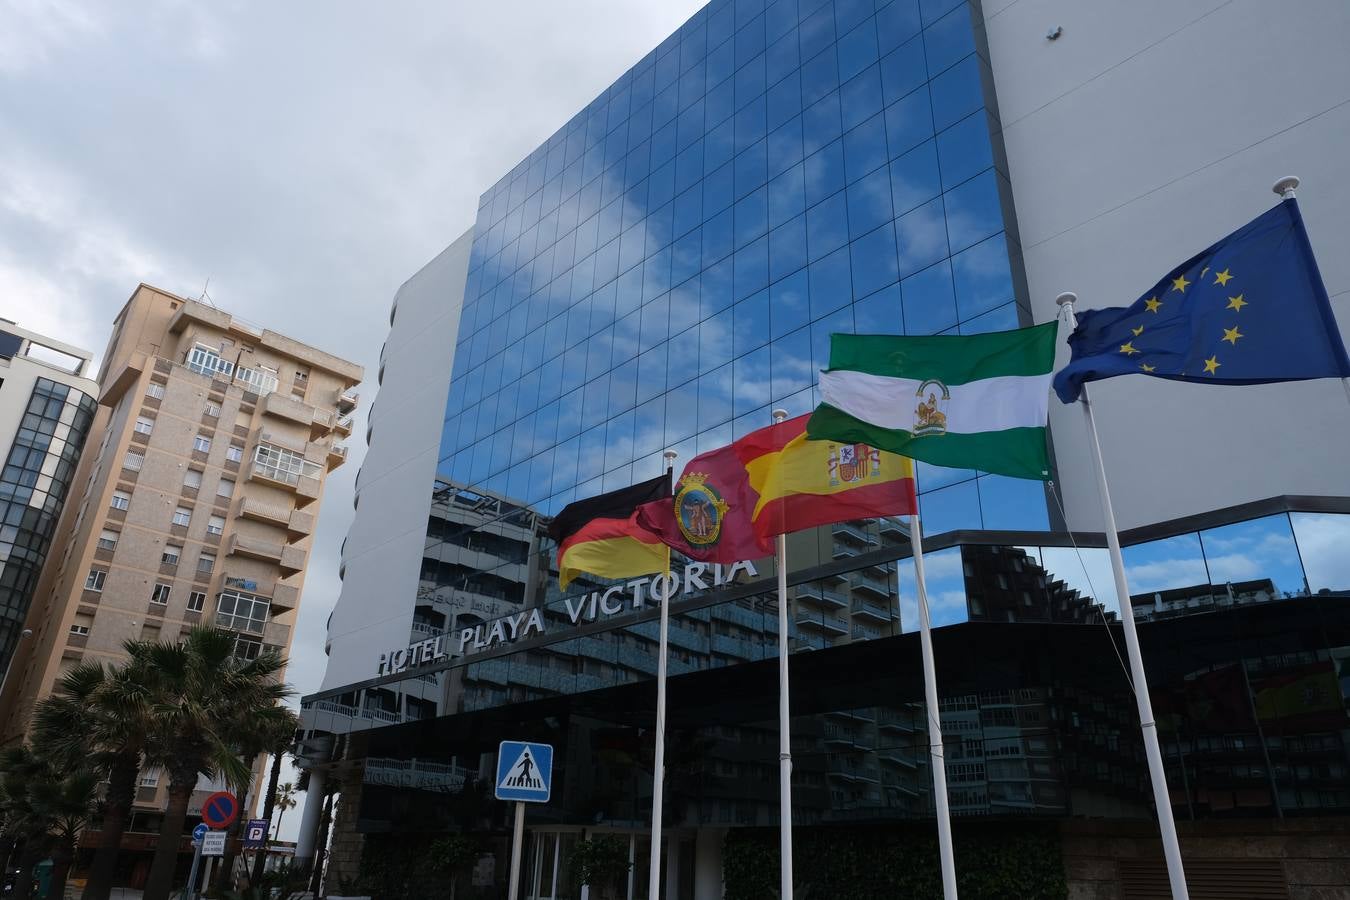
[{"x": 1247, "y": 657}]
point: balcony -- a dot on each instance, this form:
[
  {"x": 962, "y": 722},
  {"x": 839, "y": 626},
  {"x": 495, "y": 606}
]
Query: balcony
[
  {"x": 343, "y": 426},
  {"x": 255, "y": 548},
  {"x": 337, "y": 455},
  {"x": 284, "y": 597},
  {"x": 866, "y": 609},
  {"x": 277, "y": 634},
  {"x": 862, "y": 581},
  {"x": 822, "y": 621},
  {"x": 287, "y": 408},
  {"x": 267, "y": 513},
  {"x": 822, "y": 595},
  {"x": 855, "y": 533},
  {"x": 306, "y": 487},
  {"x": 299, "y": 525},
  {"x": 321, "y": 423},
  {"x": 347, "y": 400},
  {"x": 292, "y": 560}
]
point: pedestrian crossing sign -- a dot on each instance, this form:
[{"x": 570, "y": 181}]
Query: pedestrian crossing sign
[{"x": 524, "y": 771}]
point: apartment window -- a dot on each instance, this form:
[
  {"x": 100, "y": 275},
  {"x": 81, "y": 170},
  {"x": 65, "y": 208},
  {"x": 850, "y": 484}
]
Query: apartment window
[
  {"x": 182, "y": 516},
  {"x": 234, "y": 453},
  {"x": 225, "y": 488},
  {"x": 144, "y": 425},
  {"x": 150, "y": 777},
  {"x": 171, "y": 554},
  {"x": 120, "y": 500},
  {"x": 213, "y": 410},
  {"x": 201, "y": 442},
  {"x": 242, "y": 612},
  {"x": 196, "y": 601},
  {"x": 206, "y": 563},
  {"x": 262, "y": 380},
  {"x": 160, "y": 594},
  {"x": 206, "y": 361},
  {"x": 133, "y": 461},
  {"x": 192, "y": 478},
  {"x": 79, "y": 630},
  {"x": 94, "y": 582},
  {"x": 154, "y": 390},
  {"x": 281, "y": 464},
  {"x": 107, "y": 539},
  {"x": 215, "y": 525}
]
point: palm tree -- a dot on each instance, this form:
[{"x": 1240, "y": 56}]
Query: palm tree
[
  {"x": 255, "y": 737},
  {"x": 99, "y": 717},
  {"x": 285, "y": 800},
  {"x": 46, "y": 805},
  {"x": 203, "y": 701}
]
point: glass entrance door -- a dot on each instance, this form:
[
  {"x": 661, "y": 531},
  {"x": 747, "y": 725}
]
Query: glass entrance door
[{"x": 545, "y": 874}]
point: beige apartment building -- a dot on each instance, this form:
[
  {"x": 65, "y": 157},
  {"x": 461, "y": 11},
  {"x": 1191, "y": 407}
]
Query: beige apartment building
[{"x": 201, "y": 482}]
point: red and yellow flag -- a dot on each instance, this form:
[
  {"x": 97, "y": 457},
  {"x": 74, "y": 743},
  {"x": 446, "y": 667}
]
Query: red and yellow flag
[{"x": 802, "y": 483}]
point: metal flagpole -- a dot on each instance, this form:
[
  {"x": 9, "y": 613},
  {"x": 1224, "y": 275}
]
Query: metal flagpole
[
  {"x": 1157, "y": 774},
  {"x": 937, "y": 760},
  {"x": 1285, "y": 187},
  {"x": 659, "y": 766},
  {"x": 784, "y": 716}
]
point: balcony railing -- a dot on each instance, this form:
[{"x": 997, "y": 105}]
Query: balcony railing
[
  {"x": 823, "y": 621},
  {"x": 347, "y": 401}
]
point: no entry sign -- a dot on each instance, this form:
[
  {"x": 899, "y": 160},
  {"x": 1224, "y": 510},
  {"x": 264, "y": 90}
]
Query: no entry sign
[{"x": 220, "y": 809}]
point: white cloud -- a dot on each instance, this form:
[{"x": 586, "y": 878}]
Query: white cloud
[{"x": 35, "y": 32}]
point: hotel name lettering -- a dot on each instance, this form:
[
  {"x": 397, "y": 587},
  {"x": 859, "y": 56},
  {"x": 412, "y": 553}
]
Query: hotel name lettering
[{"x": 620, "y": 598}]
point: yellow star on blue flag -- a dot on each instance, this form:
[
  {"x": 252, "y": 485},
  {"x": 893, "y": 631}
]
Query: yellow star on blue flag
[{"x": 1251, "y": 309}]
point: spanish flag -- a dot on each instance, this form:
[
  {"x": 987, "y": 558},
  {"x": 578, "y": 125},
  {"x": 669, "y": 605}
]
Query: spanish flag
[
  {"x": 600, "y": 535},
  {"x": 803, "y": 483}
]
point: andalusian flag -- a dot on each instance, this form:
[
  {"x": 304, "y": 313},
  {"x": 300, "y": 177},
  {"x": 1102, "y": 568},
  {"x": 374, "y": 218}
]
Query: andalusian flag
[
  {"x": 968, "y": 402},
  {"x": 600, "y": 535},
  {"x": 803, "y": 483}
]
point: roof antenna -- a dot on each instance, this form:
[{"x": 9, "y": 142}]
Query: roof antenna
[{"x": 205, "y": 297}]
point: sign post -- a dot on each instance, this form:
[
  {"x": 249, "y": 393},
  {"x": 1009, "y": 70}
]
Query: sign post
[
  {"x": 197, "y": 834},
  {"x": 525, "y": 775}
]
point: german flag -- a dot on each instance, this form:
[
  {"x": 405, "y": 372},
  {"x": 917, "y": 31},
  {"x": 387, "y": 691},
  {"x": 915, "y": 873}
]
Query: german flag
[
  {"x": 803, "y": 483},
  {"x": 600, "y": 535}
]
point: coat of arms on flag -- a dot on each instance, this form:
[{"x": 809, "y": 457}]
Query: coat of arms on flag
[
  {"x": 850, "y": 463},
  {"x": 699, "y": 510}
]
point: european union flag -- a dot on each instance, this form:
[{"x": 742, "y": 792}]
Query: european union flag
[{"x": 1249, "y": 310}]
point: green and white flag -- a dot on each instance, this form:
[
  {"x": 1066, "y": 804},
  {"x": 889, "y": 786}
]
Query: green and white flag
[{"x": 969, "y": 402}]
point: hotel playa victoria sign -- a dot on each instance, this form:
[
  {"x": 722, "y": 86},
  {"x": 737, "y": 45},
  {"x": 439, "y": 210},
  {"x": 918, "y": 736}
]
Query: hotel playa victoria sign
[{"x": 620, "y": 598}]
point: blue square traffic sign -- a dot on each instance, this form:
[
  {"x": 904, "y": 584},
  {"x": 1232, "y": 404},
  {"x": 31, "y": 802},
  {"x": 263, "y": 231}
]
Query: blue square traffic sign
[{"x": 524, "y": 771}]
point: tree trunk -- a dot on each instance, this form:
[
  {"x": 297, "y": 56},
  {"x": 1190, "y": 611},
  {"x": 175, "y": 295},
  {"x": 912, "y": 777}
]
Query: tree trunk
[
  {"x": 116, "y": 815},
  {"x": 321, "y": 847},
  {"x": 159, "y": 882},
  {"x": 63, "y": 853},
  {"x": 269, "y": 806}
]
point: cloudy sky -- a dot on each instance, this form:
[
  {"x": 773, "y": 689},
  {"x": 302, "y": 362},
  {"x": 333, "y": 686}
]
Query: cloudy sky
[{"x": 304, "y": 157}]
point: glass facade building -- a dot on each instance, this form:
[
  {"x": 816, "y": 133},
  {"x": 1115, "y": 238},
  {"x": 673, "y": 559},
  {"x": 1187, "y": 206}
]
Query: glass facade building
[{"x": 668, "y": 267}]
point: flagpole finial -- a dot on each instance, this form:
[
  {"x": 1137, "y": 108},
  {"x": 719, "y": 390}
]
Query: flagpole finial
[
  {"x": 669, "y": 457},
  {"x": 779, "y": 415},
  {"x": 1066, "y": 301},
  {"x": 1285, "y": 186}
]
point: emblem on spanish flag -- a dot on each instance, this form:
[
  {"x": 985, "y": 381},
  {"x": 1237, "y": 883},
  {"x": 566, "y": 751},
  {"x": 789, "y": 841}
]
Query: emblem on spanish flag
[
  {"x": 600, "y": 535},
  {"x": 802, "y": 483}
]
